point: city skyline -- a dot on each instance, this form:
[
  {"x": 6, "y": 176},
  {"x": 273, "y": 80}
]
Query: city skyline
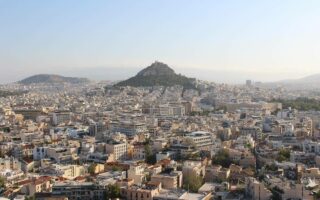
[{"x": 122, "y": 73}]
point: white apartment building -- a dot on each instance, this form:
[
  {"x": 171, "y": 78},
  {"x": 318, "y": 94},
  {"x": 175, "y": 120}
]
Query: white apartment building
[
  {"x": 119, "y": 149},
  {"x": 60, "y": 117},
  {"x": 202, "y": 140},
  {"x": 9, "y": 163},
  {"x": 137, "y": 173}
]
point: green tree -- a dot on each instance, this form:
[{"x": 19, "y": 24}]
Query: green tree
[
  {"x": 150, "y": 158},
  {"x": 248, "y": 145},
  {"x": 284, "y": 155},
  {"x": 30, "y": 198},
  {"x": 192, "y": 182},
  {"x": 222, "y": 158},
  {"x": 271, "y": 167},
  {"x": 2, "y": 182},
  {"x": 116, "y": 168},
  {"x": 276, "y": 193},
  {"x": 113, "y": 191},
  {"x": 148, "y": 177},
  {"x": 194, "y": 156},
  {"x": 300, "y": 103},
  {"x": 317, "y": 195},
  {"x": 92, "y": 168}
]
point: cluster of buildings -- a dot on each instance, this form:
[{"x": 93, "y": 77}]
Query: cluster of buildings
[{"x": 94, "y": 142}]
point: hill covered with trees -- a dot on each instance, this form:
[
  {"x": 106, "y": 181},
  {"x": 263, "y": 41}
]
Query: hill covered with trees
[
  {"x": 52, "y": 78},
  {"x": 158, "y": 74}
]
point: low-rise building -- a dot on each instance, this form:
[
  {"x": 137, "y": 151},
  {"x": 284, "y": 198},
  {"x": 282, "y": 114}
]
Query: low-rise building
[{"x": 168, "y": 181}]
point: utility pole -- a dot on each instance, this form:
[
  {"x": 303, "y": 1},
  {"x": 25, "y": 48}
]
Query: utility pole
[
  {"x": 302, "y": 190},
  {"x": 259, "y": 191}
]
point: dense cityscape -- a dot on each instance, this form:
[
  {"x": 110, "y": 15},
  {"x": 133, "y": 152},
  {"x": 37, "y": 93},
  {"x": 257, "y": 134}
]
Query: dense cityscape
[
  {"x": 68, "y": 138},
  {"x": 159, "y": 100}
]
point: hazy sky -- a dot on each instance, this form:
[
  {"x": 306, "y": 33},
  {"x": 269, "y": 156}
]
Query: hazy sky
[{"x": 225, "y": 40}]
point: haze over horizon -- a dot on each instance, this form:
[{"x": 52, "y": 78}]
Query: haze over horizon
[
  {"x": 122, "y": 73},
  {"x": 228, "y": 41}
]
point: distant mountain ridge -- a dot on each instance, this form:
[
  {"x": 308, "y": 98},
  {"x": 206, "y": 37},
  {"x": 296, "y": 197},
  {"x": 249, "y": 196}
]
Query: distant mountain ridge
[
  {"x": 306, "y": 83},
  {"x": 158, "y": 74},
  {"x": 52, "y": 78},
  {"x": 311, "y": 78}
]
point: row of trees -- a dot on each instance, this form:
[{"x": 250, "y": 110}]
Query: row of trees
[
  {"x": 200, "y": 113},
  {"x": 4, "y": 93},
  {"x": 112, "y": 192},
  {"x": 301, "y": 103}
]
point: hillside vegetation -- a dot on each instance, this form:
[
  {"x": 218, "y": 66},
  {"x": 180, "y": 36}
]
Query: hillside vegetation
[
  {"x": 5, "y": 93},
  {"x": 51, "y": 78},
  {"x": 303, "y": 104},
  {"x": 158, "y": 74}
]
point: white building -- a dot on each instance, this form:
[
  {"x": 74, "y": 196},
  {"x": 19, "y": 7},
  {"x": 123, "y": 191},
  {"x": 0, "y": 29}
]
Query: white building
[
  {"x": 60, "y": 117},
  {"x": 9, "y": 163},
  {"x": 119, "y": 149},
  {"x": 202, "y": 140}
]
